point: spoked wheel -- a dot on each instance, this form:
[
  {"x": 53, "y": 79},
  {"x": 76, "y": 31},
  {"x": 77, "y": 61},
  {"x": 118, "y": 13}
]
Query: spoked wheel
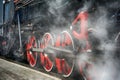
[
  {"x": 46, "y": 58},
  {"x": 31, "y": 56},
  {"x": 67, "y": 62},
  {"x": 86, "y": 63}
]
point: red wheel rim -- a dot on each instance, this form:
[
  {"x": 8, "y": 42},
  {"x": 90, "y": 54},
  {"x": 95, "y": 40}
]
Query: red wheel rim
[
  {"x": 31, "y": 56},
  {"x": 46, "y": 59},
  {"x": 67, "y": 63}
]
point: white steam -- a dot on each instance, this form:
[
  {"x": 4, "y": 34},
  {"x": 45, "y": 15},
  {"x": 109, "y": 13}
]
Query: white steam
[
  {"x": 57, "y": 8},
  {"x": 104, "y": 66}
]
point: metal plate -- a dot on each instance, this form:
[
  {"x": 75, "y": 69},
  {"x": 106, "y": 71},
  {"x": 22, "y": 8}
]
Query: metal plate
[
  {"x": 1, "y": 12},
  {"x": 9, "y": 11}
]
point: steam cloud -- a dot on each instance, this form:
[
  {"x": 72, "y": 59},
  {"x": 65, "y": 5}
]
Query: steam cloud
[{"x": 105, "y": 66}]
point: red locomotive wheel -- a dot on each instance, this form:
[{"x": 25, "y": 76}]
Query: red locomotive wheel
[
  {"x": 46, "y": 59},
  {"x": 86, "y": 65},
  {"x": 67, "y": 62},
  {"x": 31, "y": 56}
]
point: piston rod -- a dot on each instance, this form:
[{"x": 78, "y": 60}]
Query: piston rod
[{"x": 19, "y": 32}]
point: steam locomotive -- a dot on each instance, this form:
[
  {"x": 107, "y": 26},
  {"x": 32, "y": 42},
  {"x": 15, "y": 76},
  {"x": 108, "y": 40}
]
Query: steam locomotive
[{"x": 26, "y": 35}]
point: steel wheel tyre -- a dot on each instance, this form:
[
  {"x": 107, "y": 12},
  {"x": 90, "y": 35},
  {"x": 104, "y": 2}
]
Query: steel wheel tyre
[
  {"x": 117, "y": 39},
  {"x": 67, "y": 62},
  {"x": 46, "y": 59},
  {"x": 31, "y": 56}
]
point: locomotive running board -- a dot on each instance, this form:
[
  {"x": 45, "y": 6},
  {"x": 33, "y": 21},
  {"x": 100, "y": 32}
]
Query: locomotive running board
[{"x": 58, "y": 52}]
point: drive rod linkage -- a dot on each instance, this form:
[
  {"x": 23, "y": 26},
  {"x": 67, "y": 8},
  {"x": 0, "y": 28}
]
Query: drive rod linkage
[{"x": 58, "y": 52}]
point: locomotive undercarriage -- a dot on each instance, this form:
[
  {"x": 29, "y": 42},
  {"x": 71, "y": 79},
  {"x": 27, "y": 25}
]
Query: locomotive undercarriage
[
  {"x": 46, "y": 50},
  {"x": 55, "y": 52}
]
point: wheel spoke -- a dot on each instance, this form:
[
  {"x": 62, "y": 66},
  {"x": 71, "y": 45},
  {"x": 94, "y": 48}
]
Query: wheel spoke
[
  {"x": 66, "y": 67},
  {"x": 48, "y": 63}
]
